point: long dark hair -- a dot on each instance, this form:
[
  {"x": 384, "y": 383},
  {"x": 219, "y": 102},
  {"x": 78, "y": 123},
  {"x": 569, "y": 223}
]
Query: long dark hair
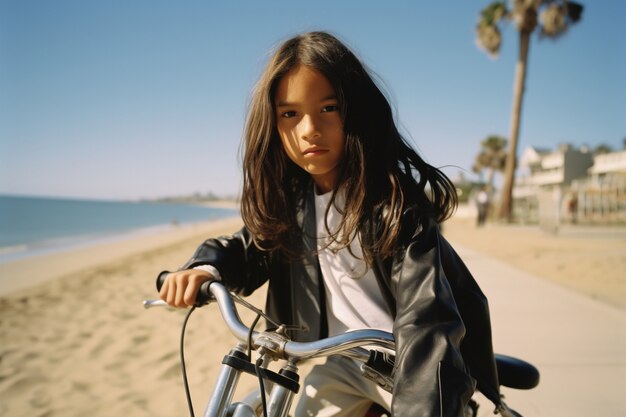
[{"x": 381, "y": 174}]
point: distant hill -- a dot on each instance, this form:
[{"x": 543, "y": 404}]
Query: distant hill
[{"x": 198, "y": 198}]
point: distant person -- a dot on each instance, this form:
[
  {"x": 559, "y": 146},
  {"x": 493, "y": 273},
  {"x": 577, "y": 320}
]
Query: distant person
[
  {"x": 572, "y": 207},
  {"x": 341, "y": 216},
  {"x": 482, "y": 204}
]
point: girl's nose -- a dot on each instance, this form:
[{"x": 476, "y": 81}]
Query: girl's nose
[{"x": 309, "y": 128}]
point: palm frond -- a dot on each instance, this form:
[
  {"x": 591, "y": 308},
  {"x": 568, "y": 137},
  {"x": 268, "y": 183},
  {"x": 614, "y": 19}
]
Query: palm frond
[
  {"x": 557, "y": 17},
  {"x": 493, "y": 12},
  {"x": 574, "y": 11},
  {"x": 553, "y": 20},
  {"x": 488, "y": 38}
]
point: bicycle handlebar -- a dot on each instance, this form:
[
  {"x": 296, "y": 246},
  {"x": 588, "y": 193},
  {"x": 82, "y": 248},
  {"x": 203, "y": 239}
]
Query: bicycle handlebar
[
  {"x": 348, "y": 343},
  {"x": 296, "y": 350},
  {"x": 513, "y": 372}
]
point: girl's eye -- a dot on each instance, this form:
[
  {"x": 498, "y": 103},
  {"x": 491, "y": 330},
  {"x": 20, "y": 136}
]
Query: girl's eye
[
  {"x": 329, "y": 108},
  {"x": 288, "y": 114}
]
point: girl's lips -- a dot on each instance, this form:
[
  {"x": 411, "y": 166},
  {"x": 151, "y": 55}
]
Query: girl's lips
[{"x": 314, "y": 151}]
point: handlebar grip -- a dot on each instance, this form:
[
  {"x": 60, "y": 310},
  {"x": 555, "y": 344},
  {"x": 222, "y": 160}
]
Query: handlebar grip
[
  {"x": 161, "y": 279},
  {"x": 204, "y": 294}
]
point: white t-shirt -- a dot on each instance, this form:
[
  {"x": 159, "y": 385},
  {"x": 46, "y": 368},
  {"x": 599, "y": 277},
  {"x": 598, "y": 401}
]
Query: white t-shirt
[{"x": 353, "y": 299}]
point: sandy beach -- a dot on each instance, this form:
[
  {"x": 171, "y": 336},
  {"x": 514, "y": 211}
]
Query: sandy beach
[
  {"x": 79, "y": 342},
  {"x": 75, "y": 339},
  {"x": 587, "y": 259}
]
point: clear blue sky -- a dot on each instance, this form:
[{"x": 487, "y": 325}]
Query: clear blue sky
[{"x": 147, "y": 98}]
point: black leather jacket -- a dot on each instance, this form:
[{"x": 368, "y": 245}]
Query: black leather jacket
[{"x": 441, "y": 317}]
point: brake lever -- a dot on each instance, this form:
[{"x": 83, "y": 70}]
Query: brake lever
[
  {"x": 160, "y": 303},
  {"x": 154, "y": 303}
]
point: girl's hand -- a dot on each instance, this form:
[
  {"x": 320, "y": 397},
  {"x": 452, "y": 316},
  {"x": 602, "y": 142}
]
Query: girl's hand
[{"x": 181, "y": 288}]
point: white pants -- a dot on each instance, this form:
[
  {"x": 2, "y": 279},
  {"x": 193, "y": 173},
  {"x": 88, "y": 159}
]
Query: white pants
[{"x": 337, "y": 389}]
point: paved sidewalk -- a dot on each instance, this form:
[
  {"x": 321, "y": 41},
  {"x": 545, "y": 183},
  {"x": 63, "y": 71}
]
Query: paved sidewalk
[{"x": 578, "y": 344}]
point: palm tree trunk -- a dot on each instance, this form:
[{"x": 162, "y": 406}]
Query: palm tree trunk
[
  {"x": 490, "y": 178},
  {"x": 506, "y": 206}
]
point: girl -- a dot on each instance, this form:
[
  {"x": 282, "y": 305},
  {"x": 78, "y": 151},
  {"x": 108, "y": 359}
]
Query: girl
[{"x": 341, "y": 216}]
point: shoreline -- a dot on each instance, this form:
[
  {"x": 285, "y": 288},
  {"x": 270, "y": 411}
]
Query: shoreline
[
  {"x": 78, "y": 223},
  {"x": 76, "y": 242},
  {"x": 38, "y": 268},
  {"x": 225, "y": 204}
]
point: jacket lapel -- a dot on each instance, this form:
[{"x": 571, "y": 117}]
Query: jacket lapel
[{"x": 307, "y": 288}]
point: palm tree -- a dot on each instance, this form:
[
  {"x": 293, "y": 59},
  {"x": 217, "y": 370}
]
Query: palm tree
[
  {"x": 555, "y": 16},
  {"x": 602, "y": 149},
  {"x": 492, "y": 158}
]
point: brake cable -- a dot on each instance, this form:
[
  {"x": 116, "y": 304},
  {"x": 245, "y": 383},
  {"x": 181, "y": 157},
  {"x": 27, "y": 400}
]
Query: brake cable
[
  {"x": 183, "y": 367},
  {"x": 182, "y": 362}
]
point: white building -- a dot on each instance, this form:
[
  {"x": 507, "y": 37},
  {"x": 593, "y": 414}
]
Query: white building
[
  {"x": 570, "y": 183},
  {"x": 608, "y": 163},
  {"x": 545, "y": 168},
  {"x": 602, "y": 195}
]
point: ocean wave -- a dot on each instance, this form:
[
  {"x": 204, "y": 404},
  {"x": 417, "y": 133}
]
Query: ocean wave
[{"x": 8, "y": 250}]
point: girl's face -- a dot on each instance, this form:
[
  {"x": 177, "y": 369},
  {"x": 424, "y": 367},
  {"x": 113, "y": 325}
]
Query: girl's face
[{"x": 310, "y": 125}]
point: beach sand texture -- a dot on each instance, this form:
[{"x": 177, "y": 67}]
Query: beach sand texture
[
  {"x": 587, "y": 259},
  {"x": 79, "y": 342}
]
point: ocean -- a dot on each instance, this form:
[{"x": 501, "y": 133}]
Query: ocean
[{"x": 32, "y": 226}]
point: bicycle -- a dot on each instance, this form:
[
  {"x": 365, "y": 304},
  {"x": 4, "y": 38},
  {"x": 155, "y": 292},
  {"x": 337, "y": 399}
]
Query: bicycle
[{"x": 272, "y": 345}]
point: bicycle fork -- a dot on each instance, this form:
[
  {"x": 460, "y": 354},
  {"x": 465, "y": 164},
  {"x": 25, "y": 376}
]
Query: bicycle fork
[
  {"x": 225, "y": 386},
  {"x": 284, "y": 387}
]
